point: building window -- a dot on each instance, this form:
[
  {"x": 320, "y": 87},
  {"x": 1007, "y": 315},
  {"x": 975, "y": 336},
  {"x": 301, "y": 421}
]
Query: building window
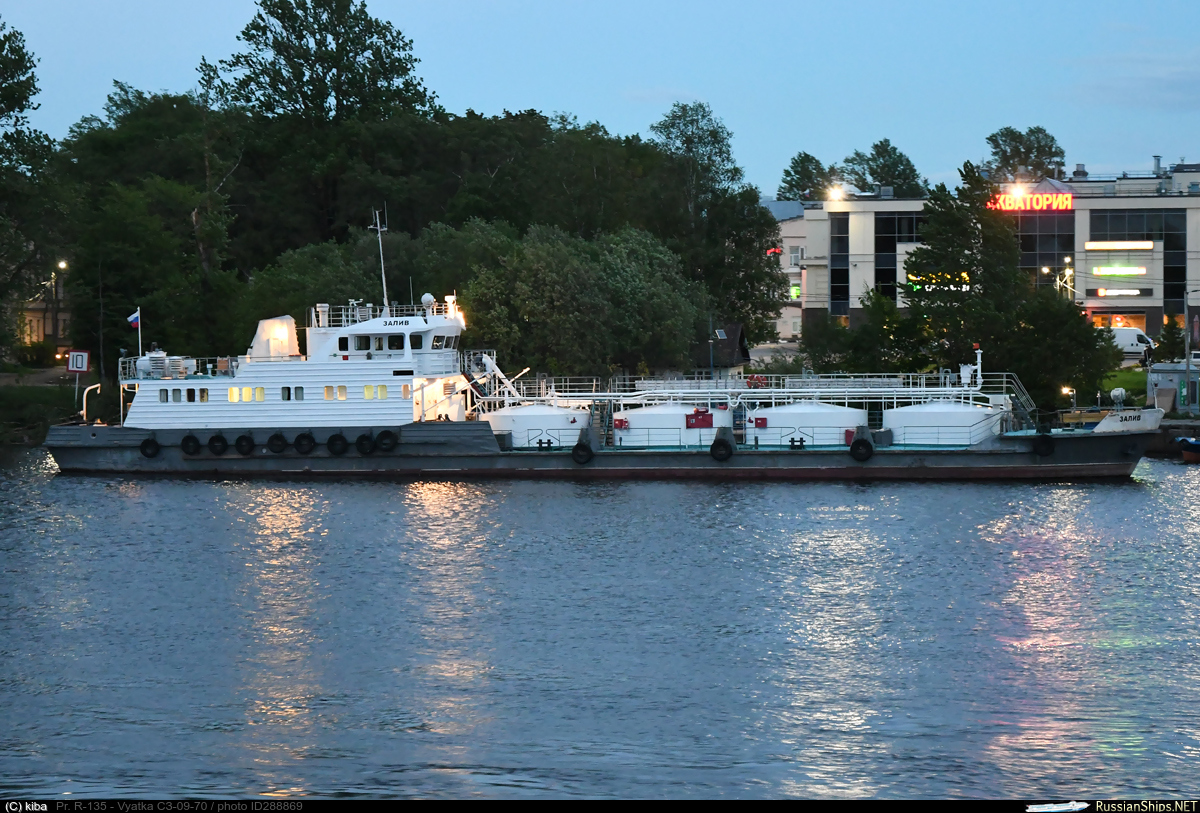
[
  {"x": 299, "y": 393},
  {"x": 396, "y": 341},
  {"x": 341, "y": 392},
  {"x": 796, "y": 325},
  {"x": 891, "y": 229},
  {"x": 1046, "y": 240},
  {"x": 285, "y": 394},
  {"x": 839, "y": 263},
  {"x": 795, "y": 255},
  {"x": 1168, "y": 226}
]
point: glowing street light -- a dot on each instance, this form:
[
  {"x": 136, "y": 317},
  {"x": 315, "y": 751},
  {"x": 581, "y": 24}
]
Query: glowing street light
[
  {"x": 62, "y": 265},
  {"x": 836, "y": 193}
]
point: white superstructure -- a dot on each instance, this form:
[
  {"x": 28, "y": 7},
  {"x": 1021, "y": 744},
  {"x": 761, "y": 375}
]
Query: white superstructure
[{"x": 365, "y": 366}]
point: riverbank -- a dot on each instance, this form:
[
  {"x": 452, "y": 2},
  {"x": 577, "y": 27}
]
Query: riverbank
[{"x": 28, "y": 411}]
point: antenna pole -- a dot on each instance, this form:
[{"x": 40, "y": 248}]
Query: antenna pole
[{"x": 379, "y": 230}]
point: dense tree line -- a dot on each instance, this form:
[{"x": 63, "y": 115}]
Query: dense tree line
[{"x": 187, "y": 204}]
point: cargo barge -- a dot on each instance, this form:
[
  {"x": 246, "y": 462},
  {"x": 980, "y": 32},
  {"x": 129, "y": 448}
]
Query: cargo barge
[{"x": 385, "y": 392}]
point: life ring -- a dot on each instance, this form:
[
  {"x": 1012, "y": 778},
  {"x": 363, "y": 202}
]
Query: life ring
[
  {"x": 190, "y": 445},
  {"x": 1043, "y": 445},
  {"x": 385, "y": 441},
  {"x": 582, "y": 453},
  {"x": 365, "y": 444},
  {"x": 861, "y": 450},
  {"x": 304, "y": 443},
  {"x": 277, "y": 443},
  {"x": 244, "y": 445},
  {"x": 218, "y": 445},
  {"x": 721, "y": 450},
  {"x": 756, "y": 381},
  {"x": 150, "y": 448},
  {"x": 337, "y": 444}
]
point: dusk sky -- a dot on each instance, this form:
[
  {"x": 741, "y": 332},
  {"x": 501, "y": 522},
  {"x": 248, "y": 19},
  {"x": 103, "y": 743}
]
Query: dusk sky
[{"x": 1115, "y": 82}]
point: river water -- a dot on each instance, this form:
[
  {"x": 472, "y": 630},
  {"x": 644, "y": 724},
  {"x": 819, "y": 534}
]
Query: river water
[{"x": 180, "y": 638}]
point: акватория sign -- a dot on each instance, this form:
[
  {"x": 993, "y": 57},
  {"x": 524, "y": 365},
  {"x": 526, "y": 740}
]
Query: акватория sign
[{"x": 1034, "y": 202}]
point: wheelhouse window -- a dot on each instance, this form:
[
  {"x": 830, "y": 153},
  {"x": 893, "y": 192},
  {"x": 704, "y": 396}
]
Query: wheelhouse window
[
  {"x": 343, "y": 343},
  {"x": 362, "y": 342},
  {"x": 378, "y": 342},
  {"x": 438, "y": 343},
  {"x": 396, "y": 341},
  {"x": 415, "y": 341}
]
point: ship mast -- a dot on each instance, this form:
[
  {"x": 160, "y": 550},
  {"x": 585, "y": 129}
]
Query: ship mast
[{"x": 379, "y": 230}]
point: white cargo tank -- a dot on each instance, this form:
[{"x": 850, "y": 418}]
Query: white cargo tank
[
  {"x": 539, "y": 425},
  {"x": 670, "y": 425},
  {"x": 942, "y": 423},
  {"x": 815, "y": 423}
]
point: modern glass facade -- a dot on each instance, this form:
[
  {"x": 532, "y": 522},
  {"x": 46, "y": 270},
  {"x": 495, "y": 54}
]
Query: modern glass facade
[
  {"x": 839, "y": 263},
  {"x": 1168, "y": 226},
  {"x": 1047, "y": 244},
  {"x": 892, "y": 228}
]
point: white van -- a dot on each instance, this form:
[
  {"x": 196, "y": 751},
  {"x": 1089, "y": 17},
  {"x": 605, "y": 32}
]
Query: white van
[{"x": 1132, "y": 341}]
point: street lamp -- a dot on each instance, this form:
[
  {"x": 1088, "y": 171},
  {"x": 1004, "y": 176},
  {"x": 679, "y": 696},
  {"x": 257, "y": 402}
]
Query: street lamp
[
  {"x": 62, "y": 265},
  {"x": 1071, "y": 392}
]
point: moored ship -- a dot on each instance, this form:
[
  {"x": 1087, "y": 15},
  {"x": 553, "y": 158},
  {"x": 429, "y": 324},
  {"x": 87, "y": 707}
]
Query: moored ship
[{"x": 385, "y": 391}]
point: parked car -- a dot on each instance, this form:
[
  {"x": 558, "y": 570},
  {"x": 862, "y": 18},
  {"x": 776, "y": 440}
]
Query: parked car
[{"x": 1132, "y": 341}]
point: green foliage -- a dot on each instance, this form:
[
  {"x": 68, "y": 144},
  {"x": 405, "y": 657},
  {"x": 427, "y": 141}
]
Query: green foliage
[
  {"x": 323, "y": 61},
  {"x": 568, "y": 306},
  {"x": 27, "y": 412},
  {"x": 884, "y": 165},
  {"x": 1171, "y": 342},
  {"x": 1130, "y": 379},
  {"x": 1028, "y": 156},
  {"x": 38, "y": 354},
  {"x": 806, "y": 178},
  {"x": 26, "y": 209}
]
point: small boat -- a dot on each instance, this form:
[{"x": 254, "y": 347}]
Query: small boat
[
  {"x": 1057, "y": 807},
  {"x": 1190, "y": 449}
]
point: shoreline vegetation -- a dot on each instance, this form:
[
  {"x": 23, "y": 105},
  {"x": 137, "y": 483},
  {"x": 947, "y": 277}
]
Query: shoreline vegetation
[{"x": 573, "y": 250}]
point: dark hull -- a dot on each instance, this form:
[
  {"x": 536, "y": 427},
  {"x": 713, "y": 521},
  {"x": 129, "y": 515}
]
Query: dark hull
[{"x": 469, "y": 450}]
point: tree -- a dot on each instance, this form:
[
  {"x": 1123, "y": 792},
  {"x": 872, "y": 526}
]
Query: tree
[
  {"x": 1028, "y": 156},
  {"x": 885, "y": 165},
  {"x": 1170, "y": 342},
  {"x": 965, "y": 287},
  {"x": 806, "y": 178},
  {"x": 702, "y": 141},
  {"x": 325, "y": 61},
  {"x": 25, "y": 205}
]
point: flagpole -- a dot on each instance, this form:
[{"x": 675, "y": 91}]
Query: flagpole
[{"x": 139, "y": 313}]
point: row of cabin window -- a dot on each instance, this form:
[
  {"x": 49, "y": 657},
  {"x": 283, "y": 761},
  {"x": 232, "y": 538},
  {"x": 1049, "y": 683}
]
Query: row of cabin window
[
  {"x": 370, "y": 392},
  {"x": 396, "y": 342}
]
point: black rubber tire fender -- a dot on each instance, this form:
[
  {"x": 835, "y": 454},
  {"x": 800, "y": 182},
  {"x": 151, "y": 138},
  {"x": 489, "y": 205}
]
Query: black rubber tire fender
[
  {"x": 304, "y": 443},
  {"x": 218, "y": 445},
  {"x": 150, "y": 448},
  {"x": 386, "y": 441},
  {"x": 582, "y": 454},
  {"x": 337, "y": 444},
  {"x": 244, "y": 445},
  {"x": 365, "y": 444},
  {"x": 721, "y": 450},
  {"x": 277, "y": 443},
  {"x": 861, "y": 450},
  {"x": 190, "y": 445},
  {"x": 1043, "y": 445}
]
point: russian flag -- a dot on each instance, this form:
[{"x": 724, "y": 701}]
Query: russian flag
[{"x": 135, "y": 318}]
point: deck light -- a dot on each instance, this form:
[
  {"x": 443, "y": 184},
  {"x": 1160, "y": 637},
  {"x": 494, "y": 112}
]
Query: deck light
[{"x": 1045, "y": 270}]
